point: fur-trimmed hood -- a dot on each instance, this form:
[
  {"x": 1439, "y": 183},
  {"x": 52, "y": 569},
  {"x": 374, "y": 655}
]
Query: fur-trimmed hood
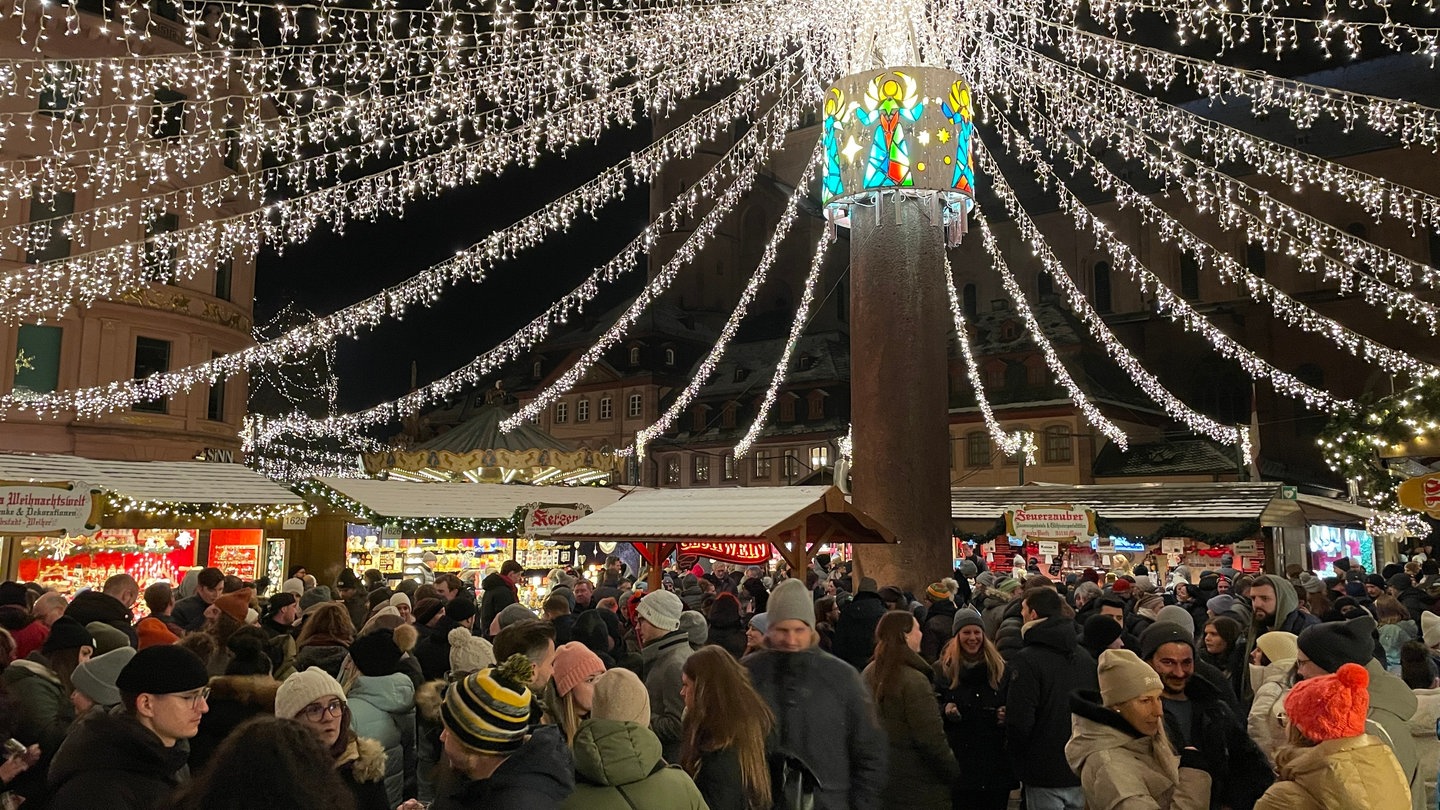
[
  {"x": 365, "y": 758},
  {"x": 428, "y": 699},
  {"x": 247, "y": 690}
]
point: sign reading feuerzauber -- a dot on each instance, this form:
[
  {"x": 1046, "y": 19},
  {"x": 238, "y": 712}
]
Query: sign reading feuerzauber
[
  {"x": 542, "y": 519},
  {"x": 64, "y": 507},
  {"x": 1033, "y": 521}
]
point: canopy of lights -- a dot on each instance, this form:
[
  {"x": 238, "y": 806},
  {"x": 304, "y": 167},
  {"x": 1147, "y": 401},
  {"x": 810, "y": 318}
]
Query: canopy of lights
[{"x": 329, "y": 113}]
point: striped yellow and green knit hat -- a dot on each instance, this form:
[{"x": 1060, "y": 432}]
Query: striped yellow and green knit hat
[{"x": 489, "y": 711}]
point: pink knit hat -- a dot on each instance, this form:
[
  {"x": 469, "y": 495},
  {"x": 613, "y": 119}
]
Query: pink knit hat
[{"x": 574, "y": 664}]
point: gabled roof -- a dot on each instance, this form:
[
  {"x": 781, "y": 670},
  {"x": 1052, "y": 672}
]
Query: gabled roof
[
  {"x": 829, "y": 351},
  {"x": 160, "y": 481},
  {"x": 755, "y": 514},
  {"x": 1176, "y": 457},
  {"x": 461, "y": 501},
  {"x": 1150, "y": 502}
]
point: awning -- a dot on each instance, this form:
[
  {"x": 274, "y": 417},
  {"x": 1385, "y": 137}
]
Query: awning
[
  {"x": 1139, "y": 508},
  {"x": 796, "y": 520},
  {"x": 175, "y": 482},
  {"x": 460, "y": 501},
  {"x": 1319, "y": 509}
]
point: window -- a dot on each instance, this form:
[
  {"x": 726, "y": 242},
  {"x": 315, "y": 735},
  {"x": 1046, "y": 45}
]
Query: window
[
  {"x": 971, "y": 301},
  {"x": 672, "y": 470},
  {"x": 634, "y": 355},
  {"x": 762, "y": 464},
  {"x": 535, "y": 369},
  {"x": 741, "y": 373},
  {"x": 224, "y": 273},
  {"x": 562, "y": 413},
  {"x": 167, "y": 115},
  {"x": 1057, "y": 445},
  {"x": 37, "y": 358},
  {"x": 49, "y": 227},
  {"x": 728, "y": 470},
  {"x": 1255, "y": 259},
  {"x": 215, "y": 407},
  {"x": 582, "y": 411},
  {"x": 59, "y": 89},
  {"x": 792, "y": 469},
  {"x": 815, "y": 402},
  {"x": 1101, "y": 288},
  {"x": 977, "y": 449},
  {"x": 787, "y": 407},
  {"x": 635, "y": 406},
  {"x": 727, "y": 415},
  {"x": 1044, "y": 286},
  {"x": 152, "y": 356},
  {"x": 669, "y": 357},
  {"x": 820, "y": 456},
  {"x": 160, "y": 252},
  {"x": 1189, "y": 277},
  {"x": 607, "y": 408},
  {"x": 697, "y": 418},
  {"x": 699, "y": 469},
  {"x": 806, "y": 362}
]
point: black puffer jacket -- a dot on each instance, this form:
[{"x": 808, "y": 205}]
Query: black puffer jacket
[
  {"x": 95, "y": 606},
  {"x": 1008, "y": 633},
  {"x": 1242, "y": 770},
  {"x": 936, "y": 630},
  {"x": 855, "y": 632},
  {"x": 539, "y": 776},
  {"x": 112, "y": 760},
  {"x": 976, "y": 736},
  {"x": 1038, "y": 682},
  {"x": 498, "y": 595}
]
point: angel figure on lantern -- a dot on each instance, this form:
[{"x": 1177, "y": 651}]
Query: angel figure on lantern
[
  {"x": 958, "y": 111},
  {"x": 836, "y": 110},
  {"x": 889, "y": 99}
]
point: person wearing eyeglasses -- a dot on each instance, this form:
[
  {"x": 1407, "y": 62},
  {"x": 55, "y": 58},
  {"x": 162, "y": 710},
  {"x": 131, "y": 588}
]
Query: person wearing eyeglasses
[
  {"x": 317, "y": 700},
  {"x": 134, "y": 757}
]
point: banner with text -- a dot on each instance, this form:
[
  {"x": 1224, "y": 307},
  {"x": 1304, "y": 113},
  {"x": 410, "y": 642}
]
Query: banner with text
[
  {"x": 741, "y": 553},
  {"x": 542, "y": 519},
  {"x": 61, "y": 507},
  {"x": 1050, "y": 522}
]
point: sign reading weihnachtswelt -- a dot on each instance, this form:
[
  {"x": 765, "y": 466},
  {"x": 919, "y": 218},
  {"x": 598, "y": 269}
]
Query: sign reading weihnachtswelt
[{"x": 58, "y": 507}]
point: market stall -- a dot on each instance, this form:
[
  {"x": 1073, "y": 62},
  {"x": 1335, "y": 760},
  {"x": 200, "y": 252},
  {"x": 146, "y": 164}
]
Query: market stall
[
  {"x": 471, "y": 528},
  {"x": 1070, "y": 528},
  {"x": 795, "y": 521},
  {"x": 151, "y": 519}
]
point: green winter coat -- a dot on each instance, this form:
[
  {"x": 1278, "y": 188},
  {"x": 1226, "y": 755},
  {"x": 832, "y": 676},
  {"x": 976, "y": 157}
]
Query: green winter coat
[
  {"x": 922, "y": 767},
  {"x": 618, "y": 767}
]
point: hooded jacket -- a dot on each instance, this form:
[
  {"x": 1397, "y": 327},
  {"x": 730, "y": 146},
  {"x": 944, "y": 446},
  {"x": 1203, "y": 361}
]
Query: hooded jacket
[
  {"x": 936, "y": 629},
  {"x": 233, "y": 700},
  {"x": 362, "y": 768},
  {"x": 382, "y": 708},
  {"x": 1038, "y": 682},
  {"x": 1121, "y": 769},
  {"x": 1009, "y": 633},
  {"x": 824, "y": 717},
  {"x": 45, "y": 708},
  {"x": 1221, "y": 738},
  {"x": 499, "y": 593},
  {"x": 1266, "y": 723},
  {"x": 1392, "y": 704},
  {"x": 922, "y": 766},
  {"x": 539, "y": 776},
  {"x": 328, "y": 657},
  {"x": 1288, "y": 616},
  {"x": 855, "y": 631},
  {"x": 98, "y": 606},
  {"x": 663, "y": 659},
  {"x": 1352, "y": 773},
  {"x": 618, "y": 767},
  {"x": 112, "y": 759}
]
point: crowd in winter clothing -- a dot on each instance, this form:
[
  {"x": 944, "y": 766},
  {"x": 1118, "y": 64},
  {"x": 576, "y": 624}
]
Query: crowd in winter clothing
[{"x": 730, "y": 688}]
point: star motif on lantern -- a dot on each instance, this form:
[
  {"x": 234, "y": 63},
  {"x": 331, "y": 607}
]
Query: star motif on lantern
[
  {"x": 851, "y": 149},
  {"x": 924, "y": 137},
  {"x": 23, "y": 361},
  {"x": 944, "y": 136}
]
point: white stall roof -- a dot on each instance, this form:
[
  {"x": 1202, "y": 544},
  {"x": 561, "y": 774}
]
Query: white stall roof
[
  {"x": 461, "y": 501},
  {"x": 165, "y": 481},
  {"x": 1205, "y": 501},
  {"x": 735, "y": 512}
]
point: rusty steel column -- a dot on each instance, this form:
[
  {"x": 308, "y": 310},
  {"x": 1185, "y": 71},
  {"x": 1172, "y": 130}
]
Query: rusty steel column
[{"x": 899, "y": 394}]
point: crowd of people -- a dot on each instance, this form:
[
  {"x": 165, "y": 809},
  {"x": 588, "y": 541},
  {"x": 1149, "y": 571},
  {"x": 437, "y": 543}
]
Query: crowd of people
[{"x": 733, "y": 688}]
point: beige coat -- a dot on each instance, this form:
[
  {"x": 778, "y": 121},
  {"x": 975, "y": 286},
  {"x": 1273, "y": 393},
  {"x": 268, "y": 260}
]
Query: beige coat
[
  {"x": 1353, "y": 773},
  {"x": 1427, "y": 745},
  {"x": 1267, "y": 723},
  {"x": 1121, "y": 770}
]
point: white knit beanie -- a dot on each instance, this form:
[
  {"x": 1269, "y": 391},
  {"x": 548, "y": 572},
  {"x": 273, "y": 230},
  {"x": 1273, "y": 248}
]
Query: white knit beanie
[
  {"x": 400, "y": 599},
  {"x": 294, "y": 585},
  {"x": 469, "y": 652},
  {"x": 662, "y": 609},
  {"x": 303, "y": 688}
]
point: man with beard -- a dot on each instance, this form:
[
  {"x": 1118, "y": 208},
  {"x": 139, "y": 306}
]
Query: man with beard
[
  {"x": 1197, "y": 716},
  {"x": 1275, "y": 606}
]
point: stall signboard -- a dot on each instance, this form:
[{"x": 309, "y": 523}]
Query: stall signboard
[
  {"x": 1050, "y": 521},
  {"x": 1105, "y": 545},
  {"x": 542, "y": 519},
  {"x": 739, "y": 553},
  {"x": 33, "y": 508},
  {"x": 1421, "y": 493},
  {"x": 236, "y": 552},
  {"x": 1172, "y": 545},
  {"x": 1049, "y": 548}
]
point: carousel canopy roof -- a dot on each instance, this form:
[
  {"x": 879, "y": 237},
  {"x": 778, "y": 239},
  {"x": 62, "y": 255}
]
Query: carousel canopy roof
[
  {"x": 160, "y": 481},
  {"x": 733, "y": 513},
  {"x": 461, "y": 501},
  {"x": 482, "y": 432}
]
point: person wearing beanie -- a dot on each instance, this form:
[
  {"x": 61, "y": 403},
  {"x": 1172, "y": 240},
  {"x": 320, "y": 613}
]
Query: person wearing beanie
[
  {"x": 469, "y": 652},
  {"x": 317, "y": 701},
  {"x": 1274, "y": 605},
  {"x": 152, "y": 632},
  {"x": 434, "y": 648},
  {"x": 350, "y": 593},
  {"x": 1331, "y": 763},
  {"x": 1118, "y": 744},
  {"x": 106, "y": 637},
  {"x": 755, "y": 631},
  {"x": 1430, "y": 632},
  {"x": 381, "y": 698},
  {"x": 1272, "y": 667},
  {"x": 293, "y": 586},
  {"x": 95, "y": 680},
  {"x": 131, "y": 758},
  {"x": 695, "y": 627},
  {"x": 1374, "y": 586},
  {"x": 235, "y": 604},
  {"x": 939, "y": 615},
  {"x": 313, "y": 598},
  {"x": 40, "y": 685},
  {"x": 968, "y": 676},
  {"x": 1227, "y": 566},
  {"x": 401, "y": 602},
  {"x": 837, "y": 706},
  {"x": 854, "y": 637},
  {"x": 506, "y": 763},
  {"x": 576, "y": 668},
  {"x": 245, "y": 690},
  {"x": 1101, "y": 633},
  {"x": 1200, "y": 712},
  {"x": 1416, "y": 601},
  {"x": 664, "y": 648}
]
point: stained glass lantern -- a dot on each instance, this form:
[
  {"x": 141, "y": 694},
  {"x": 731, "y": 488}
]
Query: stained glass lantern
[{"x": 897, "y": 133}]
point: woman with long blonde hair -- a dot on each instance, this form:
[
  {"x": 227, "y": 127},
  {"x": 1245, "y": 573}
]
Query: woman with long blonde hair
[
  {"x": 922, "y": 769},
  {"x": 724, "y": 732},
  {"x": 969, "y": 674}
]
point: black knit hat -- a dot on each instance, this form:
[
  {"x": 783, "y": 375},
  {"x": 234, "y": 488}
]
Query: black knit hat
[
  {"x": 1332, "y": 644},
  {"x": 426, "y": 609},
  {"x": 12, "y": 593},
  {"x": 67, "y": 634},
  {"x": 379, "y": 596},
  {"x": 459, "y": 609},
  {"x": 280, "y": 601},
  {"x": 1376, "y": 580},
  {"x": 1161, "y": 633},
  {"x": 376, "y": 653},
  {"x": 347, "y": 579},
  {"x": 1101, "y": 632},
  {"x": 163, "y": 670}
]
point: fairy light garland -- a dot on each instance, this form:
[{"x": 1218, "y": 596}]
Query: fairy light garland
[
  {"x": 411, "y": 526},
  {"x": 732, "y": 324},
  {"x": 1352, "y": 442},
  {"x": 220, "y": 511}
]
